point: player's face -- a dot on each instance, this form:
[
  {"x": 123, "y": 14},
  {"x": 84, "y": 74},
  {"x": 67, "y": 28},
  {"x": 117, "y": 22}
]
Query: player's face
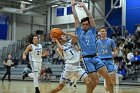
[
  {"x": 85, "y": 25},
  {"x": 35, "y": 40},
  {"x": 103, "y": 33},
  {"x": 63, "y": 38}
]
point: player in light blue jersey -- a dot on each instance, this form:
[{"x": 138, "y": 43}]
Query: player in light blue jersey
[
  {"x": 87, "y": 39},
  {"x": 106, "y": 48}
]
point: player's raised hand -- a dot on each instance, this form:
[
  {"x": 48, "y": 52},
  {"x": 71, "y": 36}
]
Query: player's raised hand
[
  {"x": 73, "y": 2},
  {"x": 53, "y": 39},
  {"x": 81, "y": 4}
]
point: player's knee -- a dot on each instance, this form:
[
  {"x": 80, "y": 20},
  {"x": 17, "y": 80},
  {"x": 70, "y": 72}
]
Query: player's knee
[
  {"x": 113, "y": 81},
  {"x": 87, "y": 81},
  {"x": 91, "y": 83},
  {"x": 109, "y": 83},
  {"x": 95, "y": 83}
]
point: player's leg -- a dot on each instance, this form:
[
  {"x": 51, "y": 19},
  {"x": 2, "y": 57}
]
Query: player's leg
[
  {"x": 36, "y": 67},
  {"x": 102, "y": 70},
  {"x": 104, "y": 73},
  {"x": 90, "y": 69},
  {"x": 111, "y": 70},
  {"x": 82, "y": 75},
  {"x": 58, "y": 88},
  {"x": 73, "y": 81},
  {"x": 61, "y": 85}
]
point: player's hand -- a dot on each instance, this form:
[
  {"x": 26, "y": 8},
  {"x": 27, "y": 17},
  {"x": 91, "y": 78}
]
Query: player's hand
[
  {"x": 46, "y": 53},
  {"x": 73, "y": 3},
  {"x": 81, "y": 4},
  {"x": 65, "y": 33},
  {"x": 24, "y": 57},
  {"x": 53, "y": 39}
]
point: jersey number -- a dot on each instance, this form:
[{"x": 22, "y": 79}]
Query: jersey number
[
  {"x": 71, "y": 52},
  {"x": 38, "y": 52},
  {"x": 104, "y": 51},
  {"x": 87, "y": 41}
]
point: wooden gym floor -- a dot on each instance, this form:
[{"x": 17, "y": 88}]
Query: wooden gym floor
[{"x": 27, "y": 87}]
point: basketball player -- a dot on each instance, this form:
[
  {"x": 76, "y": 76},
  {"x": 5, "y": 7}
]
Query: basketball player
[
  {"x": 87, "y": 36},
  {"x": 104, "y": 47},
  {"x": 72, "y": 59},
  {"x": 35, "y": 57}
]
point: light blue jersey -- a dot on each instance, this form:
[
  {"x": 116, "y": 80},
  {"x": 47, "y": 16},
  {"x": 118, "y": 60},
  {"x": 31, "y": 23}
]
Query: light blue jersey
[
  {"x": 104, "y": 48},
  {"x": 87, "y": 40}
]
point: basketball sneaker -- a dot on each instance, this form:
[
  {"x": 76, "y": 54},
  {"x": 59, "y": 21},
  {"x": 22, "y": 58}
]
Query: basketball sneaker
[{"x": 37, "y": 90}]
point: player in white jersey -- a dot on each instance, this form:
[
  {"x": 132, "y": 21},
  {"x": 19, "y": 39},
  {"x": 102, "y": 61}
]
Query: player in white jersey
[
  {"x": 72, "y": 59},
  {"x": 35, "y": 57}
]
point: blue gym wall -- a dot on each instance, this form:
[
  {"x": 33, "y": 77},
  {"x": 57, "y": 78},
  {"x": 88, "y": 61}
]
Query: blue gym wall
[
  {"x": 132, "y": 15},
  {"x": 3, "y": 26},
  {"x": 115, "y": 17}
]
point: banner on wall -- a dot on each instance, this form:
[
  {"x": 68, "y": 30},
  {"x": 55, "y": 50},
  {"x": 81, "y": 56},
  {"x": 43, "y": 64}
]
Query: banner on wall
[
  {"x": 3, "y": 26},
  {"x": 69, "y": 10},
  {"x": 60, "y": 12}
]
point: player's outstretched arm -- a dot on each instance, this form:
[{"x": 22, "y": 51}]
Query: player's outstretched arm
[
  {"x": 91, "y": 20},
  {"x": 27, "y": 50},
  {"x": 77, "y": 22}
]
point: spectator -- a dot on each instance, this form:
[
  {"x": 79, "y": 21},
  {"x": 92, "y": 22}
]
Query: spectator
[
  {"x": 45, "y": 74},
  {"x": 117, "y": 31},
  {"x": 26, "y": 70},
  {"x": 8, "y": 63},
  {"x": 55, "y": 58},
  {"x": 138, "y": 28},
  {"x": 122, "y": 70},
  {"x": 42, "y": 74},
  {"x": 48, "y": 73}
]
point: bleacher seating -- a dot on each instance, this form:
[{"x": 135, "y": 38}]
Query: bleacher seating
[{"x": 16, "y": 73}]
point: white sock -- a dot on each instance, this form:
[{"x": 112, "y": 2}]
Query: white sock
[{"x": 35, "y": 79}]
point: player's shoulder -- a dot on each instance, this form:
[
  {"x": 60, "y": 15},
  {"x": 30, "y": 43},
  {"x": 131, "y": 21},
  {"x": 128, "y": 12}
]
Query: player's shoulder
[
  {"x": 98, "y": 40},
  {"x": 109, "y": 39},
  {"x": 29, "y": 46},
  {"x": 40, "y": 45}
]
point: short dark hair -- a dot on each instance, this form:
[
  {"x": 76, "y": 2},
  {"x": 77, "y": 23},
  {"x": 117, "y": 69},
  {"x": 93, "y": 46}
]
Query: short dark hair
[
  {"x": 32, "y": 37},
  {"x": 103, "y": 28},
  {"x": 85, "y": 19}
]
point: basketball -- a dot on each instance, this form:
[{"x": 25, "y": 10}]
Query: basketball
[{"x": 56, "y": 33}]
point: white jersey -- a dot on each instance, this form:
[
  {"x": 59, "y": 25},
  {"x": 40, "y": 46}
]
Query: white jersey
[
  {"x": 71, "y": 55},
  {"x": 36, "y": 53}
]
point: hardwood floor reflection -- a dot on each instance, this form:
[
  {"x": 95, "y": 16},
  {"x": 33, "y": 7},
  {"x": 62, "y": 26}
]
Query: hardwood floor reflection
[{"x": 27, "y": 87}]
